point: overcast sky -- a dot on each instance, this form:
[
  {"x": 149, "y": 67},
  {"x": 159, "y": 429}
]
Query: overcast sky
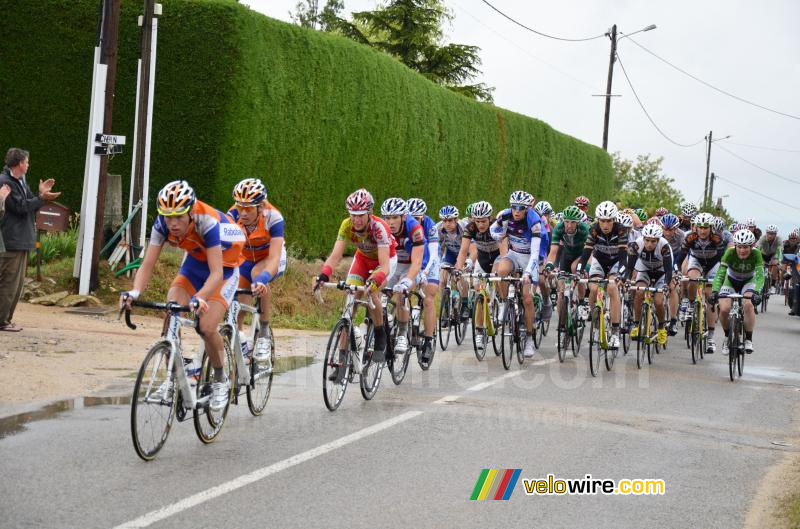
[{"x": 751, "y": 49}]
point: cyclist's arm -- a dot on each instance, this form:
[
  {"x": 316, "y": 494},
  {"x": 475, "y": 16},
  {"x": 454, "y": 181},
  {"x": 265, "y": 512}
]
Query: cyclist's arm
[
  {"x": 384, "y": 266},
  {"x": 722, "y": 272},
  {"x": 668, "y": 265},
  {"x": 335, "y": 256},
  {"x": 633, "y": 256},
  {"x": 462, "y": 253},
  {"x": 145, "y": 272},
  {"x": 215, "y": 278},
  {"x": 417, "y": 252},
  {"x": 555, "y": 254},
  {"x": 759, "y": 272},
  {"x": 274, "y": 257}
]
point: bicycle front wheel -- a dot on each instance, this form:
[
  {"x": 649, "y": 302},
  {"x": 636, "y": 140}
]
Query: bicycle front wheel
[
  {"x": 336, "y": 362},
  {"x": 594, "y": 342},
  {"x": 152, "y": 412},
  {"x": 398, "y": 363},
  {"x": 480, "y": 352},
  {"x": 208, "y": 423},
  {"x": 507, "y": 335},
  {"x": 371, "y": 371},
  {"x": 445, "y": 318},
  {"x": 260, "y": 386}
]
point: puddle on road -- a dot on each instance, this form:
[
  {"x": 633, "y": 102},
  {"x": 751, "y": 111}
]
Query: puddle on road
[{"x": 16, "y": 423}]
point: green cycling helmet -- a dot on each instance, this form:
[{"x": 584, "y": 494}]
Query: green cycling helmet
[
  {"x": 641, "y": 213},
  {"x": 573, "y": 213},
  {"x": 468, "y": 211}
]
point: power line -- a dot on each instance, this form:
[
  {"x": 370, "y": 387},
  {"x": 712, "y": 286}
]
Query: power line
[
  {"x": 762, "y": 147},
  {"x": 757, "y": 193},
  {"x": 525, "y": 51},
  {"x": 720, "y": 90},
  {"x": 758, "y": 166},
  {"x": 648, "y": 115},
  {"x": 520, "y": 24}
]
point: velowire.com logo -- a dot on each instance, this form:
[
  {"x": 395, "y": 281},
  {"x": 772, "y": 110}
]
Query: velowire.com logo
[{"x": 495, "y": 484}]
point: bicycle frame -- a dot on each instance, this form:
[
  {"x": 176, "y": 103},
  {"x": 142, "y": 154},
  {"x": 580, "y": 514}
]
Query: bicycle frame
[
  {"x": 600, "y": 302},
  {"x": 231, "y": 324}
]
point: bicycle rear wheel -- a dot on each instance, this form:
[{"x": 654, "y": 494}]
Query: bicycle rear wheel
[
  {"x": 445, "y": 318},
  {"x": 151, "y": 418},
  {"x": 652, "y": 339},
  {"x": 594, "y": 342},
  {"x": 480, "y": 353},
  {"x": 398, "y": 362},
  {"x": 371, "y": 372},
  {"x": 207, "y": 422},
  {"x": 580, "y": 327},
  {"x": 333, "y": 390},
  {"x": 625, "y": 328},
  {"x": 260, "y": 387}
]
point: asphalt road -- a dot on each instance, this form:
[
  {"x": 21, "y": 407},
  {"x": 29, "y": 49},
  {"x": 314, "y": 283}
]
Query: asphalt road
[{"x": 412, "y": 456}]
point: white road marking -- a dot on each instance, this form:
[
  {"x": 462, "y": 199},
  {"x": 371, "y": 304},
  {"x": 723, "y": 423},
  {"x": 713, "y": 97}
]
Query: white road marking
[
  {"x": 246, "y": 479},
  {"x": 448, "y": 398}
]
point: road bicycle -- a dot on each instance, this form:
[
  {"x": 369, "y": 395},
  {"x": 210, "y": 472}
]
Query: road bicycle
[
  {"x": 164, "y": 390},
  {"x": 765, "y": 292},
  {"x": 512, "y": 323},
  {"x": 696, "y": 329},
  {"x": 485, "y": 300},
  {"x": 735, "y": 337},
  {"x": 600, "y": 329},
  {"x": 450, "y": 310},
  {"x": 570, "y": 324},
  {"x": 647, "y": 340},
  {"x": 255, "y": 377},
  {"x": 350, "y": 350}
]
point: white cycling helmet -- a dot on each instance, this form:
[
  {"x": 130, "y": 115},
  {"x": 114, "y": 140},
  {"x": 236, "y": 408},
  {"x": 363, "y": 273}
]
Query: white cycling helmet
[
  {"x": 394, "y": 206},
  {"x": 744, "y": 238},
  {"x": 606, "y": 211},
  {"x": 416, "y": 207},
  {"x": 703, "y": 220},
  {"x": 448, "y": 212},
  {"x": 688, "y": 210},
  {"x": 543, "y": 207},
  {"x": 521, "y": 198},
  {"x": 771, "y": 229},
  {"x": 481, "y": 210},
  {"x": 718, "y": 224},
  {"x": 750, "y": 222},
  {"x": 625, "y": 220},
  {"x": 652, "y": 231}
]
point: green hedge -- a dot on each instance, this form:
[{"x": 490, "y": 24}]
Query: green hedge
[{"x": 314, "y": 115}]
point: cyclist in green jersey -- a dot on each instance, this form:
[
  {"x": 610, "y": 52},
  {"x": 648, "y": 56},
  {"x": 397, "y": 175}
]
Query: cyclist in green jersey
[
  {"x": 741, "y": 271},
  {"x": 569, "y": 238}
]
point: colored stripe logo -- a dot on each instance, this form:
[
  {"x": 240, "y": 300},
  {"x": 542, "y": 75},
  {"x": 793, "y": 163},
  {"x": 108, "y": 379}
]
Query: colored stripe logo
[{"x": 495, "y": 484}]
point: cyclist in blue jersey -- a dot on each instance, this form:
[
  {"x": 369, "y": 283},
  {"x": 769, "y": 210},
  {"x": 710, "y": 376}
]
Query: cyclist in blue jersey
[
  {"x": 451, "y": 232},
  {"x": 431, "y": 270},
  {"x": 522, "y": 229}
]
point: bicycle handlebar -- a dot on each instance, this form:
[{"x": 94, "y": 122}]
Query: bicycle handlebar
[{"x": 169, "y": 306}]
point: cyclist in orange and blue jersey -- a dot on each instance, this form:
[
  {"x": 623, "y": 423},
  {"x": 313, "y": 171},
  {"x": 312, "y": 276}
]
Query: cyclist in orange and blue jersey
[
  {"x": 264, "y": 252},
  {"x": 208, "y": 276}
]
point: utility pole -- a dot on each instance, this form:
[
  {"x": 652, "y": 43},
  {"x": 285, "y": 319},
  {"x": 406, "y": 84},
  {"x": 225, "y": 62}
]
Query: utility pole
[
  {"x": 706, "y": 195},
  {"x": 143, "y": 105},
  {"x": 711, "y": 190},
  {"x": 108, "y": 56},
  {"x": 613, "y": 36}
]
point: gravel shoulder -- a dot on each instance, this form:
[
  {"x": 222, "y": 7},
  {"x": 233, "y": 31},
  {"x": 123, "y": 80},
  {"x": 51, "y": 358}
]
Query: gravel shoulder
[{"x": 62, "y": 355}]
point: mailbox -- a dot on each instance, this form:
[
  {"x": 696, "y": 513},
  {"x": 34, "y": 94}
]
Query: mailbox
[{"x": 53, "y": 217}]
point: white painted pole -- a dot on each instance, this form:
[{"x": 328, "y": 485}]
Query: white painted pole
[
  {"x": 149, "y": 135},
  {"x": 134, "y": 147},
  {"x": 90, "y": 191},
  {"x": 89, "y": 153}
]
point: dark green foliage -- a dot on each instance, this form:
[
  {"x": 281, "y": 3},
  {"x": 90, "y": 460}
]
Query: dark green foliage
[{"x": 314, "y": 115}]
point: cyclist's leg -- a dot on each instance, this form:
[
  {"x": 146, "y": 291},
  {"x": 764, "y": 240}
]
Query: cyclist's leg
[
  {"x": 661, "y": 312},
  {"x": 266, "y": 297},
  {"x": 614, "y": 297},
  {"x": 430, "y": 286},
  {"x": 504, "y": 267},
  {"x": 725, "y": 303},
  {"x": 747, "y": 290}
]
